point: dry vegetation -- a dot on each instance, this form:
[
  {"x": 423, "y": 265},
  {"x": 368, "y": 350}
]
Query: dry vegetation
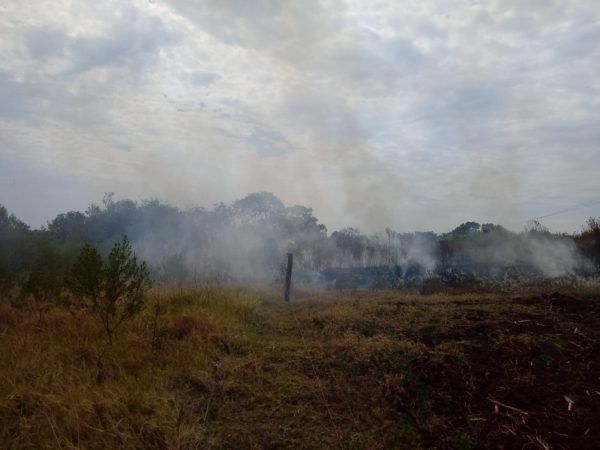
[{"x": 234, "y": 367}]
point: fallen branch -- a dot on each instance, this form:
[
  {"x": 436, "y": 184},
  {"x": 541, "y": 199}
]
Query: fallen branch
[
  {"x": 569, "y": 401},
  {"x": 504, "y": 405}
]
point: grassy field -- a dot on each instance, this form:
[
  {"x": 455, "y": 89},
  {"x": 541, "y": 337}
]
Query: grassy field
[{"x": 234, "y": 367}]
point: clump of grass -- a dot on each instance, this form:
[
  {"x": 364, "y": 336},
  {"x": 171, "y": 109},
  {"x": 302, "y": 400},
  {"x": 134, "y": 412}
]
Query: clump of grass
[{"x": 62, "y": 385}]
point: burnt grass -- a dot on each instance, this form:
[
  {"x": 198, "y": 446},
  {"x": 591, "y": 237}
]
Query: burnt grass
[
  {"x": 444, "y": 372},
  {"x": 347, "y": 369}
]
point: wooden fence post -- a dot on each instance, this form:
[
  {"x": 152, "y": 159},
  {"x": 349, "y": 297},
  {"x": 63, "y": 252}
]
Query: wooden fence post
[{"x": 288, "y": 276}]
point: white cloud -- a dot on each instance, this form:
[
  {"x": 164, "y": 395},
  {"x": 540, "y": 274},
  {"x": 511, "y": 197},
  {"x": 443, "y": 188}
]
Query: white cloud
[{"x": 415, "y": 115}]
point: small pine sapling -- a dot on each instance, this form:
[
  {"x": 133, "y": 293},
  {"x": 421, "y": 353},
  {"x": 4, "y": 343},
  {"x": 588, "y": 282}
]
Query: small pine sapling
[{"x": 112, "y": 290}]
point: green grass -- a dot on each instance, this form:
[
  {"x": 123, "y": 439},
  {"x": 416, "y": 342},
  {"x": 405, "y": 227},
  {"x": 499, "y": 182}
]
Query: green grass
[{"x": 235, "y": 367}]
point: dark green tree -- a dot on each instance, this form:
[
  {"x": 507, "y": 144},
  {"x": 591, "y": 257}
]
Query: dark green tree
[
  {"x": 350, "y": 241},
  {"x": 44, "y": 285},
  {"x": 86, "y": 280},
  {"x": 466, "y": 229},
  {"x": 16, "y": 250},
  {"x": 112, "y": 290}
]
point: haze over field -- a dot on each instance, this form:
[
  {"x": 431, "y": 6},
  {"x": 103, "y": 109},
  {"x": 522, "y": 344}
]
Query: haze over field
[{"x": 415, "y": 115}]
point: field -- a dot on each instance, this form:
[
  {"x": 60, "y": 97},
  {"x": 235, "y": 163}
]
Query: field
[{"x": 235, "y": 367}]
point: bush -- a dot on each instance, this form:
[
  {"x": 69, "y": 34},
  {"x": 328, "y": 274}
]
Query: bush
[
  {"x": 112, "y": 290},
  {"x": 44, "y": 285}
]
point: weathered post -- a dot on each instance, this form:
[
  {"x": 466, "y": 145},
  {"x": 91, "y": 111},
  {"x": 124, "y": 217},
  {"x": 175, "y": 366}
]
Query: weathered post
[{"x": 288, "y": 276}]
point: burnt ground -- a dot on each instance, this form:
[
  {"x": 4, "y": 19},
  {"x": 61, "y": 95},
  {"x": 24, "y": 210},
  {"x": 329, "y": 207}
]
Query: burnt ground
[
  {"x": 452, "y": 372},
  {"x": 519, "y": 374}
]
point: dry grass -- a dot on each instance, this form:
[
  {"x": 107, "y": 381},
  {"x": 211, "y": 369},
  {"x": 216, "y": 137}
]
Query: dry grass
[{"x": 234, "y": 367}]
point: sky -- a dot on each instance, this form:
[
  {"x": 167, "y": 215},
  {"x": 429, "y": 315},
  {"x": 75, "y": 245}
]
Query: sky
[{"x": 414, "y": 115}]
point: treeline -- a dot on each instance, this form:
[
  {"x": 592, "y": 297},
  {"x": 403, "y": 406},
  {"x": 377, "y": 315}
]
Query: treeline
[{"x": 248, "y": 239}]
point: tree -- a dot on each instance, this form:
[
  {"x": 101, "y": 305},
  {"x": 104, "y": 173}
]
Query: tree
[
  {"x": 45, "y": 282},
  {"x": 86, "y": 277},
  {"x": 593, "y": 226},
  {"x": 351, "y": 242},
  {"x": 466, "y": 229},
  {"x": 535, "y": 227},
  {"x": 490, "y": 228},
  {"x": 589, "y": 240},
  {"x": 18, "y": 249},
  {"x": 256, "y": 207},
  {"x": 113, "y": 290},
  {"x": 11, "y": 222},
  {"x": 68, "y": 226}
]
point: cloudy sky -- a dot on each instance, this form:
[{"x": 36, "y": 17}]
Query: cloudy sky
[{"x": 417, "y": 115}]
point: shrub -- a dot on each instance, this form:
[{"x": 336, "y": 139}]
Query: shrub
[{"x": 112, "y": 290}]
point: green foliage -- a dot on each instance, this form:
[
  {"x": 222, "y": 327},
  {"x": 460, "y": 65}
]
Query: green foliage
[
  {"x": 257, "y": 207},
  {"x": 466, "y": 229},
  {"x": 15, "y": 240},
  {"x": 112, "y": 290},
  {"x": 87, "y": 275},
  {"x": 350, "y": 241},
  {"x": 68, "y": 226},
  {"x": 126, "y": 280},
  {"x": 10, "y": 223},
  {"x": 44, "y": 285},
  {"x": 589, "y": 240},
  {"x": 593, "y": 226}
]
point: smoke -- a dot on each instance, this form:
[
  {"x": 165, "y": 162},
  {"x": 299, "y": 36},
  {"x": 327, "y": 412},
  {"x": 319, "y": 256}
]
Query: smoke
[
  {"x": 248, "y": 239},
  {"x": 243, "y": 241},
  {"x": 370, "y": 190},
  {"x": 549, "y": 255}
]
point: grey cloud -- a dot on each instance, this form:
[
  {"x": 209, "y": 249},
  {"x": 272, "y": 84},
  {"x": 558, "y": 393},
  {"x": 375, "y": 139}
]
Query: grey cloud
[
  {"x": 61, "y": 57},
  {"x": 204, "y": 78},
  {"x": 370, "y": 59},
  {"x": 312, "y": 36},
  {"x": 17, "y": 101},
  {"x": 125, "y": 43},
  {"x": 268, "y": 142},
  {"x": 44, "y": 42},
  {"x": 35, "y": 101},
  {"x": 290, "y": 31},
  {"x": 130, "y": 40},
  {"x": 229, "y": 21},
  {"x": 408, "y": 115},
  {"x": 124, "y": 147},
  {"x": 582, "y": 44}
]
